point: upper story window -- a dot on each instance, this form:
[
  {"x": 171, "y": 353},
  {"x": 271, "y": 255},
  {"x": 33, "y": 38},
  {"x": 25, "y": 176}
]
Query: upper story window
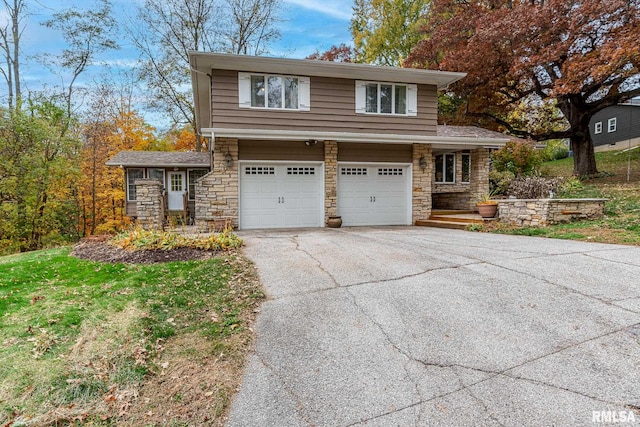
[
  {"x": 612, "y": 125},
  {"x": 273, "y": 92},
  {"x": 386, "y": 98},
  {"x": 597, "y": 128}
]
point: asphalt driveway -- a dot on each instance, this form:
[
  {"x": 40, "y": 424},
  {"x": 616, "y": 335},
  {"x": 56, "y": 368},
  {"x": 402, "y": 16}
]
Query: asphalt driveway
[{"x": 410, "y": 326}]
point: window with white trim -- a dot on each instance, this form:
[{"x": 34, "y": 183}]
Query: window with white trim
[
  {"x": 259, "y": 170},
  {"x": 466, "y": 168},
  {"x": 353, "y": 171},
  {"x": 597, "y": 128},
  {"x": 132, "y": 175},
  {"x": 154, "y": 173},
  {"x": 445, "y": 168},
  {"x": 274, "y": 92},
  {"x": 386, "y": 98},
  {"x": 612, "y": 125},
  {"x": 194, "y": 175}
]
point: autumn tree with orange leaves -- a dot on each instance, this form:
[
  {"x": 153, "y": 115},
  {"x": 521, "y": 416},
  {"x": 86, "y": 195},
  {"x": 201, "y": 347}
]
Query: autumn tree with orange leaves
[{"x": 577, "y": 56}]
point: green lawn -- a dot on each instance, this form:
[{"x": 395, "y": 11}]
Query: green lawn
[
  {"x": 621, "y": 223},
  {"x": 80, "y": 338}
]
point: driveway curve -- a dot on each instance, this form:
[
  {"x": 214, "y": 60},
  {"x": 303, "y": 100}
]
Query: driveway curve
[{"x": 409, "y": 326}]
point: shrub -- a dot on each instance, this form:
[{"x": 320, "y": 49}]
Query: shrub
[
  {"x": 534, "y": 187},
  {"x": 499, "y": 181},
  {"x": 571, "y": 187},
  {"x": 518, "y": 157},
  {"x": 140, "y": 239},
  {"x": 556, "y": 149}
]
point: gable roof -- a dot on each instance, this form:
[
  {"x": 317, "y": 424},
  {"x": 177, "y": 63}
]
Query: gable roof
[{"x": 160, "y": 159}]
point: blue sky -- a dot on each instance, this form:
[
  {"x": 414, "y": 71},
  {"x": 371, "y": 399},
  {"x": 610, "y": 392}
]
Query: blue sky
[{"x": 307, "y": 25}]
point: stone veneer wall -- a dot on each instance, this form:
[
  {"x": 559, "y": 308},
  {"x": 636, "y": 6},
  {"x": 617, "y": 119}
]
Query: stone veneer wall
[
  {"x": 541, "y": 212},
  {"x": 479, "y": 184},
  {"x": 330, "y": 179},
  {"x": 422, "y": 183},
  {"x": 217, "y": 192},
  {"x": 457, "y": 201},
  {"x": 149, "y": 204}
]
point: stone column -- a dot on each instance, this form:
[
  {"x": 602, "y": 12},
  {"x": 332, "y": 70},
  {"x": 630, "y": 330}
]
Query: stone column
[
  {"x": 149, "y": 204},
  {"x": 479, "y": 176},
  {"x": 422, "y": 181},
  {"x": 217, "y": 192},
  {"x": 330, "y": 179}
]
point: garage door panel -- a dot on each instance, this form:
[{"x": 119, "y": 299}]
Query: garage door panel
[
  {"x": 279, "y": 196},
  {"x": 373, "y": 195}
]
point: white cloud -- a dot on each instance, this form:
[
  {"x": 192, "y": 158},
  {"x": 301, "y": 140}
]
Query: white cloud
[{"x": 333, "y": 8}]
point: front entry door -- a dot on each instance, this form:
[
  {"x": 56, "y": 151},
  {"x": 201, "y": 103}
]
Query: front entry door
[{"x": 177, "y": 189}]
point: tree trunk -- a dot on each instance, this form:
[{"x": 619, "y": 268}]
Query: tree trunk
[{"x": 584, "y": 159}]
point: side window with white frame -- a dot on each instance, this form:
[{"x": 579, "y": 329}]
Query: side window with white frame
[
  {"x": 466, "y": 168},
  {"x": 155, "y": 173},
  {"x": 194, "y": 175},
  {"x": 445, "y": 168},
  {"x": 132, "y": 175},
  {"x": 386, "y": 98},
  {"x": 597, "y": 128},
  {"x": 274, "y": 92},
  {"x": 612, "y": 125}
]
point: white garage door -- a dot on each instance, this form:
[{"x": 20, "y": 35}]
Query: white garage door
[
  {"x": 281, "y": 195},
  {"x": 373, "y": 194}
]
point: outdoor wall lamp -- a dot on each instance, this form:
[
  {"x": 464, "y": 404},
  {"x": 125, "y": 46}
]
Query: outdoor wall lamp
[
  {"x": 423, "y": 163},
  {"x": 228, "y": 160},
  {"x": 311, "y": 142}
]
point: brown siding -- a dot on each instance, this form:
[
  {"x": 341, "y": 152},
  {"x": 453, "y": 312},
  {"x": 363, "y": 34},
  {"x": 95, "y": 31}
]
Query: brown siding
[
  {"x": 356, "y": 152},
  {"x": 279, "y": 150},
  {"x": 332, "y": 110}
]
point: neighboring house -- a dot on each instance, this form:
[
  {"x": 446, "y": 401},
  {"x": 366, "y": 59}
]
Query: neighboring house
[
  {"x": 176, "y": 172},
  {"x": 616, "y": 127},
  {"x": 297, "y": 141}
]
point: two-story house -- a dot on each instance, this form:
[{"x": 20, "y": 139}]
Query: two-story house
[
  {"x": 616, "y": 127},
  {"x": 294, "y": 142}
]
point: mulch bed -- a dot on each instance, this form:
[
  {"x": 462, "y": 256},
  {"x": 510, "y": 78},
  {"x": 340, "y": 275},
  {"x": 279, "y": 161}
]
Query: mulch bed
[{"x": 97, "y": 248}]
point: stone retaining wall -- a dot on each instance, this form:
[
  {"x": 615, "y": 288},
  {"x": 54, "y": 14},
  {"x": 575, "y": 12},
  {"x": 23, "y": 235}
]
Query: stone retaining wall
[{"x": 542, "y": 212}]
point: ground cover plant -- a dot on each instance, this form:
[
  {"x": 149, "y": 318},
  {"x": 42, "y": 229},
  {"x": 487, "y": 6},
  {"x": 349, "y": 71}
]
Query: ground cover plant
[{"x": 93, "y": 343}]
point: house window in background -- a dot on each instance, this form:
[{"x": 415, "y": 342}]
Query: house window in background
[
  {"x": 612, "y": 125},
  {"x": 597, "y": 128}
]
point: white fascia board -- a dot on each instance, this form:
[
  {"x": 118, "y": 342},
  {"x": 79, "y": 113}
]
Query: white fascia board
[{"x": 284, "y": 135}]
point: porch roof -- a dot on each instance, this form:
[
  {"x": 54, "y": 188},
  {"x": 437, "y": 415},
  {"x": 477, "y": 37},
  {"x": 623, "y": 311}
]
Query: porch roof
[{"x": 161, "y": 159}]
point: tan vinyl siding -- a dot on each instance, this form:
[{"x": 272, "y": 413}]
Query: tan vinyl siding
[
  {"x": 332, "y": 110},
  {"x": 280, "y": 150},
  {"x": 357, "y": 152}
]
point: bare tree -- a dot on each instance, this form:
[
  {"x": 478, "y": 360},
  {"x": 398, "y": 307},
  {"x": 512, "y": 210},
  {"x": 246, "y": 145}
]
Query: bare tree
[
  {"x": 251, "y": 25},
  {"x": 10, "y": 35},
  {"x": 166, "y": 30},
  {"x": 87, "y": 33}
]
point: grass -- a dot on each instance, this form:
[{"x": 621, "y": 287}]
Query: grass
[
  {"x": 621, "y": 224},
  {"x": 81, "y": 339}
]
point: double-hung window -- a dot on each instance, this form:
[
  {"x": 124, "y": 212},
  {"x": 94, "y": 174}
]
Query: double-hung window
[
  {"x": 612, "y": 125},
  {"x": 386, "y": 98},
  {"x": 446, "y": 168},
  {"x": 132, "y": 175},
  {"x": 597, "y": 128},
  {"x": 274, "y": 92}
]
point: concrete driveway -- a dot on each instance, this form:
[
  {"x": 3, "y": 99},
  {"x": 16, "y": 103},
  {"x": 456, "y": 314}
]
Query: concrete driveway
[{"x": 411, "y": 326}]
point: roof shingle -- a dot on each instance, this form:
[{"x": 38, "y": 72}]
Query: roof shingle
[{"x": 160, "y": 159}]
